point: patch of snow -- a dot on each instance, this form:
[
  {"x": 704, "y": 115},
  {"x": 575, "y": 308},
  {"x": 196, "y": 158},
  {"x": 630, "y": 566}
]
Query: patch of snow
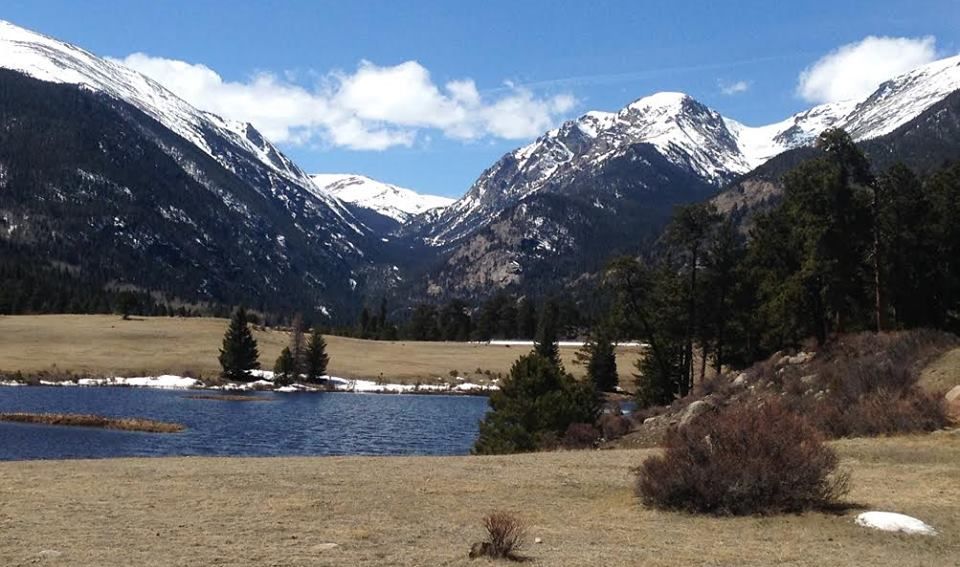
[{"x": 893, "y": 522}]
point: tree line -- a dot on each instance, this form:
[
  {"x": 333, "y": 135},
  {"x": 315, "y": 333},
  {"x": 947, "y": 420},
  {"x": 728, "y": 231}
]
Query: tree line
[{"x": 502, "y": 316}]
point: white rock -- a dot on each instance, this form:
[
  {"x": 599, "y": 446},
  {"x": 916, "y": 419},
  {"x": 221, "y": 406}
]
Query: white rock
[
  {"x": 954, "y": 394},
  {"x": 537, "y": 540},
  {"x": 893, "y": 522}
]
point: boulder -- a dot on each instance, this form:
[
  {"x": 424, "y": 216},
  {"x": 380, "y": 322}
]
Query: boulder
[
  {"x": 740, "y": 380},
  {"x": 695, "y": 410},
  {"x": 953, "y": 395}
]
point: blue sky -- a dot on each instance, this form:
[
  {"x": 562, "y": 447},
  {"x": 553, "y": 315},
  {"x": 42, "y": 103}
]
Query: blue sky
[{"x": 475, "y": 79}]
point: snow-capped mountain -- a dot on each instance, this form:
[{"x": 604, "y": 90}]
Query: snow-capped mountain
[
  {"x": 290, "y": 229},
  {"x": 689, "y": 135},
  {"x": 395, "y": 202}
]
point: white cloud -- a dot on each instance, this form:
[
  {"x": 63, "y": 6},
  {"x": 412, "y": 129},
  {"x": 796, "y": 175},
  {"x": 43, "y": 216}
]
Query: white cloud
[
  {"x": 373, "y": 108},
  {"x": 734, "y": 88},
  {"x": 855, "y": 70}
]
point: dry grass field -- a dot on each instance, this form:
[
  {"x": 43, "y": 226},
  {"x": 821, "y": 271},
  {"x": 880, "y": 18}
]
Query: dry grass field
[
  {"x": 426, "y": 511},
  {"x": 106, "y": 345}
]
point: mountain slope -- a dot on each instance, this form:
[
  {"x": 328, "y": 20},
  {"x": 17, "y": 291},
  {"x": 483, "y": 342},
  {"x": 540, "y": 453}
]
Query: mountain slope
[
  {"x": 395, "y": 202},
  {"x": 294, "y": 243},
  {"x": 635, "y": 165}
]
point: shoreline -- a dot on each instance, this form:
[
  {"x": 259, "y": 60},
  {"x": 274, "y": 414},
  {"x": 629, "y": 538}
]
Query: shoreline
[{"x": 263, "y": 383}]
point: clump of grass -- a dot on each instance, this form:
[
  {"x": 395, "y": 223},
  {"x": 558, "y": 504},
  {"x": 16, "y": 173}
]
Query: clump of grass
[
  {"x": 744, "y": 460},
  {"x": 505, "y": 537},
  {"x": 86, "y": 420}
]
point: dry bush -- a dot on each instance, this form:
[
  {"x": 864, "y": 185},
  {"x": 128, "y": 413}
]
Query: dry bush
[
  {"x": 743, "y": 460},
  {"x": 580, "y": 436},
  {"x": 880, "y": 413},
  {"x": 613, "y": 425},
  {"x": 505, "y": 537}
]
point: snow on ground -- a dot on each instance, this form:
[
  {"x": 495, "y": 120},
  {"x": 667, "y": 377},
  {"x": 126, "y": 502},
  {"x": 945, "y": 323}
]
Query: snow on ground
[
  {"x": 166, "y": 382},
  {"x": 893, "y": 522},
  {"x": 498, "y": 342},
  {"x": 265, "y": 382}
]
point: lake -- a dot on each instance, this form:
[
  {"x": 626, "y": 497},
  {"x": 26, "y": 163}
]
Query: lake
[{"x": 288, "y": 424}]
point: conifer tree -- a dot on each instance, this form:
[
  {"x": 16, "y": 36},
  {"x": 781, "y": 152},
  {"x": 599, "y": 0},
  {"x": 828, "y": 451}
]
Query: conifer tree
[
  {"x": 284, "y": 370},
  {"x": 239, "y": 354},
  {"x": 535, "y": 403},
  {"x": 599, "y": 357},
  {"x": 316, "y": 357},
  {"x": 547, "y": 331},
  {"x": 298, "y": 344}
]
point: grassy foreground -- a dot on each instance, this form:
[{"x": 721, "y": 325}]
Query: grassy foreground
[
  {"x": 105, "y": 345},
  {"x": 426, "y": 511}
]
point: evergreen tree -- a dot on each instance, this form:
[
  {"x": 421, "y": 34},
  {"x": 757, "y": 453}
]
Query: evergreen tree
[
  {"x": 526, "y": 319},
  {"x": 423, "y": 324},
  {"x": 285, "y": 369},
  {"x": 239, "y": 354},
  {"x": 690, "y": 230},
  {"x": 316, "y": 357},
  {"x": 546, "y": 344},
  {"x": 454, "y": 321},
  {"x": 535, "y": 403},
  {"x": 599, "y": 356},
  {"x": 298, "y": 345}
]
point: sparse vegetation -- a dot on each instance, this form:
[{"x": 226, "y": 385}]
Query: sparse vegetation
[
  {"x": 84, "y": 420},
  {"x": 743, "y": 460}
]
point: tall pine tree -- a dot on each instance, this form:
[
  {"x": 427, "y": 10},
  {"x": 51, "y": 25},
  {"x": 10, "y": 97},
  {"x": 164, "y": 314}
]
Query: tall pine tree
[
  {"x": 239, "y": 354},
  {"x": 316, "y": 357}
]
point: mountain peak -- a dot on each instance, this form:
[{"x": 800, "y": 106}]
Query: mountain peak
[
  {"x": 665, "y": 100},
  {"x": 392, "y": 201}
]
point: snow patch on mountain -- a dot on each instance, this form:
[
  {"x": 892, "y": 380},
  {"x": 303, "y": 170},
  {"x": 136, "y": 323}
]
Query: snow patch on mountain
[{"x": 392, "y": 201}]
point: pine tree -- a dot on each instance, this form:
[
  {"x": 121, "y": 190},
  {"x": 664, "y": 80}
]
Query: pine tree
[
  {"x": 284, "y": 370},
  {"x": 535, "y": 403},
  {"x": 239, "y": 354},
  {"x": 547, "y": 331},
  {"x": 599, "y": 356},
  {"x": 316, "y": 357},
  {"x": 298, "y": 346}
]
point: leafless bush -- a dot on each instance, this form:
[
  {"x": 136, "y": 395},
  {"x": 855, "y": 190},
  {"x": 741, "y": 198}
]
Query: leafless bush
[
  {"x": 743, "y": 460},
  {"x": 505, "y": 537}
]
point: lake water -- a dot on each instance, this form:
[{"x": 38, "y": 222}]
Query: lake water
[{"x": 288, "y": 424}]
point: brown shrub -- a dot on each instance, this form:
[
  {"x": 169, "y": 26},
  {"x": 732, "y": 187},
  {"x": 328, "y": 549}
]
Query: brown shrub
[
  {"x": 743, "y": 460},
  {"x": 613, "y": 425},
  {"x": 505, "y": 537},
  {"x": 880, "y": 413},
  {"x": 580, "y": 436}
]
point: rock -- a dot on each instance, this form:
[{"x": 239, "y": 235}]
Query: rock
[
  {"x": 537, "y": 540},
  {"x": 651, "y": 420},
  {"x": 740, "y": 380},
  {"x": 694, "y": 410},
  {"x": 953, "y": 395},
  {"x": 325, "y": 546},
  {"x": 953, "y": 403},
  {"x": 893, "y": 522}
]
